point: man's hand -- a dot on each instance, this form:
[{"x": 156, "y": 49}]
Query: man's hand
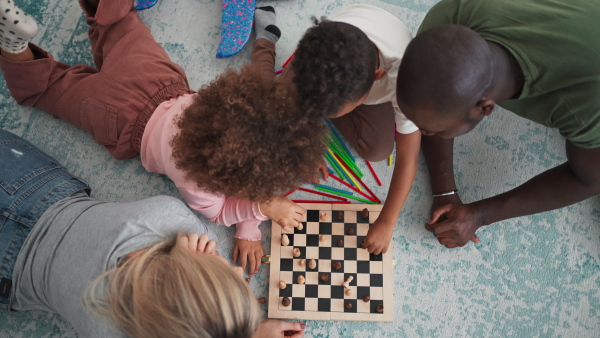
[
  {"x": 455, "y": 224},
  {"x": 284, "y": 212},
  {"x": 379, "y": 237},
  {"x": 250, "y": 252},
  {"x": 272, "y": 328}
]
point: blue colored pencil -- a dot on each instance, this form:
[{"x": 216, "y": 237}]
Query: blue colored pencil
[
  {"x": 339, "y": 139},
  {"x": 334, "y": 189}
]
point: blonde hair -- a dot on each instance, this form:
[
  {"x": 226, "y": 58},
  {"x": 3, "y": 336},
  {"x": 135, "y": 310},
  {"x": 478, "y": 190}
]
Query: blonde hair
[{"x": 168, "y": 291}]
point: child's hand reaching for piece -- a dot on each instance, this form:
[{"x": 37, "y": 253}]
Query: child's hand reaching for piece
[
  {"x": 284, "y": 212},
  {"x": 198, "y": 243},
  {"x": 378, "y": 237},
  {"x": 250, "y": 252}
]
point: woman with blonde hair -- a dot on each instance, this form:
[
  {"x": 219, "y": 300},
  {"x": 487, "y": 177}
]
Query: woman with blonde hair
[{"x": 149, "y": 268}]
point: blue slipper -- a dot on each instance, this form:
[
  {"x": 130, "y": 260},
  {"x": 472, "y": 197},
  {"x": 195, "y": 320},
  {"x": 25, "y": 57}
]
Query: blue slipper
[
  {"x": 144, "y": 4},
  {"x": 236, "y": 26}
]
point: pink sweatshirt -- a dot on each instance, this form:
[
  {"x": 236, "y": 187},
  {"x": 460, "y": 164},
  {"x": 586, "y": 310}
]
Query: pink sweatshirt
[{"x": 156, "y": 157}]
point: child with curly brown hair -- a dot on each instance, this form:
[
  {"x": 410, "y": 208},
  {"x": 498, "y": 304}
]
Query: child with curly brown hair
[
  {"x": 345, "y": 68},
  {"x": 229, "y": 149}
]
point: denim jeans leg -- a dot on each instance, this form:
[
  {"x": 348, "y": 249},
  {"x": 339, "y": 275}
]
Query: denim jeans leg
[{"x": 30, "y": 182}]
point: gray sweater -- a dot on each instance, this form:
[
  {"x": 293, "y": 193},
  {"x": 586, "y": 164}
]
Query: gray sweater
[{"x": 77, "y": 239}]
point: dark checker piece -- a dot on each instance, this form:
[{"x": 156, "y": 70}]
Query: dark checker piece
[
  {"x": 337, "y": 216},
  {"x": 351, "y": 308},
  {"x": 335, "y": 239},
  {"x": 298, "y": 304},
  {"x": 374, "y": 304},
  {"x": 337, "y": 266},
  {"x": 350, "y": 229},
  {"x": 312, "y": 215},
  {"x": 361, "y": 216}
]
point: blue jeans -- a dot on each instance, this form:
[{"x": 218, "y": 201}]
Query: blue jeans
[{"x": 30, "y": 182}]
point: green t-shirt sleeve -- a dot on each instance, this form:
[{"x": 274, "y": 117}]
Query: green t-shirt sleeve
[{"x": 443, "y": 13}]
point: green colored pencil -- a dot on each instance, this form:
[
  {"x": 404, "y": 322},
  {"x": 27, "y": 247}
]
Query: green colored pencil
[
  {"x": 333, "y": 164},
  {"x": 345, "y": 195}
]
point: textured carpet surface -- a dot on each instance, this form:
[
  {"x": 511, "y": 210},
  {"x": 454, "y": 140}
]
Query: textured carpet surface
[{"x": 530, "y": 276}]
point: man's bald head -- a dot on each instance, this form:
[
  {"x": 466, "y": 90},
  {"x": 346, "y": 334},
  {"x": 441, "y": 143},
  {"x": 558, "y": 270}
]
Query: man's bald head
[{"x": 446, "y": 69}]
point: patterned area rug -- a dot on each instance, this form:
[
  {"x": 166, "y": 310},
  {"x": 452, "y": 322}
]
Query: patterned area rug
[{"x": 529, "y": 276}]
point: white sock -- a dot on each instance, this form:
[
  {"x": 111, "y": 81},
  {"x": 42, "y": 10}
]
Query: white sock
[
  {"x": 16, "y": 28},
  {"x": 264, "y": 24}
]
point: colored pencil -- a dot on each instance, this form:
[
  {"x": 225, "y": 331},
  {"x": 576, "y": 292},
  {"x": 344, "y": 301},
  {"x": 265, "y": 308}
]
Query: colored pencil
[
  {"x": 390, "y": 161},
  {"x": 373, "y": 172},
  {"x": 347, "y": 196},
  {"x": 351, "y": 187},
  {"x": 288, "y": 60},
  {"x": 369, "y": 190},
  {"x": 279, "y": 71},
  {"x": 311, "y": 201},
  {"x": 323, "y": 194},
  {"x": 338, "y": 168},
  {"x": 333, "y": 164},
  {"x": 331, "y": 188},
  {"x": 289, "y": 193},
  {"x": 337, "y": 158},
  {"x": 339, "y": 138}
]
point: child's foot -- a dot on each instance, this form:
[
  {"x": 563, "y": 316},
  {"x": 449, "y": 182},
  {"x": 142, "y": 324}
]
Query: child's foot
[
  {"x": 16, "y": 28},
  {"x": 264, "y": 24}
]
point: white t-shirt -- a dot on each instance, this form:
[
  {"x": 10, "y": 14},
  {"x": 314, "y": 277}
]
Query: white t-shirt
[{"x": 391, "y": 37}]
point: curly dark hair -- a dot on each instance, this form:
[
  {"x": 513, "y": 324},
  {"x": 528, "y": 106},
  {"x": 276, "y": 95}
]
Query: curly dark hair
[
  {"x": 334, "y": 64},
  {"x": 244, "y": 136}
]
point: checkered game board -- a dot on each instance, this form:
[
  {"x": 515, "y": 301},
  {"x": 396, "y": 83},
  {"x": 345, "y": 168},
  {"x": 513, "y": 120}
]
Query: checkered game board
[{"x": 326, "y": 300}]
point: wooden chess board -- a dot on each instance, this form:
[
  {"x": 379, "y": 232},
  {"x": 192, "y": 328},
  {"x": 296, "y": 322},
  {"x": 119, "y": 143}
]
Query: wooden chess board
[{"x": 327, "y": 300}]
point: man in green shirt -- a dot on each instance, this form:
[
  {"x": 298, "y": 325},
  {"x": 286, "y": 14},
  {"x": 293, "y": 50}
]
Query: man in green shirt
[{"x": 537, "y": 58}]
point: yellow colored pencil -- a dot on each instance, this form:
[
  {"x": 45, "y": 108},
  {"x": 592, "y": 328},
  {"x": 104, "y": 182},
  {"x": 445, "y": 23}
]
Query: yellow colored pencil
[
  {"x": 346, "y": 171},
  {"x": 390, "y": 161}
]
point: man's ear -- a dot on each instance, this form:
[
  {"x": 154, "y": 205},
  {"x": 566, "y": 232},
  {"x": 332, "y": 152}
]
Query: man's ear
[
  {"x": 486, "y": 106},
  {"x": 379, "y": 74}
]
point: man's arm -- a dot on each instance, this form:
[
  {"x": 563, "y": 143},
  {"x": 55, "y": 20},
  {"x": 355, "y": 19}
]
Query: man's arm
[
  {"x": 571, "y": 182},
  {"x": 438, "y": 153}
]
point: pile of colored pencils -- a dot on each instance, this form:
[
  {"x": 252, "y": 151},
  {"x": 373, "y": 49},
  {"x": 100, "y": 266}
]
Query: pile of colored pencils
[{"x": 344, "y": 165}]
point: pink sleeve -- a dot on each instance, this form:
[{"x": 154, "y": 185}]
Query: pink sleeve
[{"x": 222, "y": 209}]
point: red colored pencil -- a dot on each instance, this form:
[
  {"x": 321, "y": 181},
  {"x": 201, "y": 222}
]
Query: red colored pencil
[
  {"x": 324, "y": 202},
  {"x": 373, "y": 172},
  {"x": 288, "y": 60},
  {"x": 289, "y": 193},
  {"x": 358, "y": 179},
  {"x": 323, "y": 194},
  {"x": 370, "y": 198}
]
